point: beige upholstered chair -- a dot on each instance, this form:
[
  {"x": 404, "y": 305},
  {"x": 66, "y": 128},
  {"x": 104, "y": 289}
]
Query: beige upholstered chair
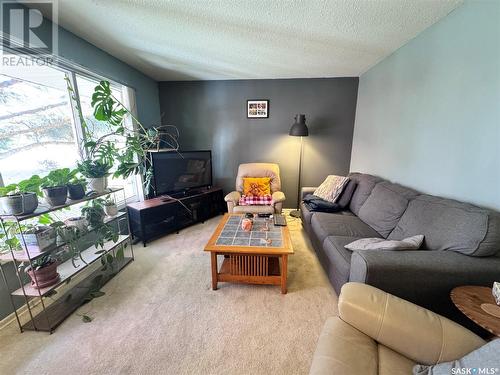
[
  {"x": 378, "y": 333},
  {"x": 257, "y": 170}
]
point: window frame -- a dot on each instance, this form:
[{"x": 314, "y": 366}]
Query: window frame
[{"x": 72, "y": 71}]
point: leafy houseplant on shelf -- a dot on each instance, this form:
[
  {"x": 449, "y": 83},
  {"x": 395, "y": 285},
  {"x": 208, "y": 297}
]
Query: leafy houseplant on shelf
[
  {"x": 126, "y": 143},
  {"x": 110, "y": 207},
  {"x": 43, "y": 271},
  {"x": 55, "y": 186},
  {"x": 97, "y": 172},
  {"x": 76, "y": 187},
  {"x": 20, "y": 198},
  {"x": 94, "y": 213},
  {"x": 38, "y": 238}
]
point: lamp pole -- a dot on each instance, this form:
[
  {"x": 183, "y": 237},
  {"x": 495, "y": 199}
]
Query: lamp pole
[{"x": 299, "y": 129}]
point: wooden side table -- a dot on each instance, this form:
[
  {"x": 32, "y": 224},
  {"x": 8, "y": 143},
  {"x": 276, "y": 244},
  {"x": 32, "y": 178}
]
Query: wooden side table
[{"x": 478, "y": 304}]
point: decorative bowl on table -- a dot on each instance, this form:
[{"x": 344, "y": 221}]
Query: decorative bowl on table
[{"x": 496, "y": 292}]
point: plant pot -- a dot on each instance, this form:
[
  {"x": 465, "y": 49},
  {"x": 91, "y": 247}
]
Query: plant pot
[
  {"x": 79, "y": 223},
  {"x": 18, "y": 204},
  {"x": 55, "y": 196},
  {"x": 111, "y": 210},
  {"x": 43, "y": 238},
  {"x": 45, "y": 276},
  {"x": 76, "y": 191},
  {"x": 98, "y": 185}
]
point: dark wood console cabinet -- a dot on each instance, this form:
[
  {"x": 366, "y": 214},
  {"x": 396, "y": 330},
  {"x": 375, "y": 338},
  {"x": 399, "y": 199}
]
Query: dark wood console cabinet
[{"x": 155, "y": 217}]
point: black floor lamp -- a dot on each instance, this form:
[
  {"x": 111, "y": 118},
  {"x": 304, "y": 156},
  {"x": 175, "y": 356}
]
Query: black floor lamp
[{"x": 299, "y": 129}]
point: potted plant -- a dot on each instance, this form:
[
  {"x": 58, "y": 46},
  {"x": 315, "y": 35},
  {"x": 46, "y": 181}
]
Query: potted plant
[
  {"x": 21, "y": 198},
  {"x": 110, "y": 207},
  {"x": 97, "y": 172},
  {"x": 78, "y": 222},
  {"x": 76, "y": 187},
  {"x": 38, "y": 238},
  {"x": 43, "y": 271},
  {"x": 94, "y": 213},
  {"x": 54, "y": 186}
]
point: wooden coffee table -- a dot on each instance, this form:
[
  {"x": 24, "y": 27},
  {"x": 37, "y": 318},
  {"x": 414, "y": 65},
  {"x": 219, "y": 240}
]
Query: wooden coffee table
[
  {"x": 478, "y": 304},
  {"x": 256, "y": 257}
]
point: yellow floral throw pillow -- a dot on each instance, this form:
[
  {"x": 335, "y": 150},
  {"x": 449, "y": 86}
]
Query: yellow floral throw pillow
[{"x": 256, "y": 186}]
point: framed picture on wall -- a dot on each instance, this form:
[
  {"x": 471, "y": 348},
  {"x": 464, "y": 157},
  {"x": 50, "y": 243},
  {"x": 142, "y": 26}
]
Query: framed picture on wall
[{"x": 258, "y": 108}]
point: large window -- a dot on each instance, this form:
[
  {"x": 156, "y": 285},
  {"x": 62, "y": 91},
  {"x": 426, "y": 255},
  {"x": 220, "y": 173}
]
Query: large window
[{"x": 39, "y": 131}]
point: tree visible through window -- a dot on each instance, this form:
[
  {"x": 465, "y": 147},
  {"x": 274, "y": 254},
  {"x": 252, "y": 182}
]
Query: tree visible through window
[
  {"x": 38, "y": 129},
  {"x": 36, "y": 124}
]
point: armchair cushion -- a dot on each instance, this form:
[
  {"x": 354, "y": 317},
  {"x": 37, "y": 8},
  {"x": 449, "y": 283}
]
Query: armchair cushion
[
  {"x": 259, "y": 170},
  {"x": 335, "y": 355},
  {"x": 251, "y": 200},
  {"x": 415, "y": 332}
]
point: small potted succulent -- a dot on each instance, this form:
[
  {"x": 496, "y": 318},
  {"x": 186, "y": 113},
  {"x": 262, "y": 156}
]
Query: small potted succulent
[
  {"x": 54, "y": 186},
  {"x": 97, "y": 173},
  {"x": 21, "y": 198},
  {"x": 43, "y": 271},
  {"x": 94, "y": 213},
  {"x": 76, "y": 187},
  {"x": 110, "y": 207}
]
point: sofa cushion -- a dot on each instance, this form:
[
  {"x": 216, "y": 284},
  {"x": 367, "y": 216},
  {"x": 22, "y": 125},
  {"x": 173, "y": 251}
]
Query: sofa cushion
[
  {"x": 305, "y": 213},
  {"x": 325, "y": 224},
  {"x": 364, "y": 185},
  {"x": 385, "y": 205},
  {"x": 450, "y": 225},
  {"x": 345, "y": 197},
  {"x": 335, "y": 251}
]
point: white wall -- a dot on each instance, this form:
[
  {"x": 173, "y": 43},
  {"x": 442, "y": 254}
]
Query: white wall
[{"x": 428, "y": 116}]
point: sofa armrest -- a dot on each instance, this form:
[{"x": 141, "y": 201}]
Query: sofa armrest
[
  {"x": 421, "y": 276},
  {"x": 233, "y": 196},
  {"x": 278, "y": 196},
  {"x": 307, "y": 190},
  {"x": 408, "y": 329}
]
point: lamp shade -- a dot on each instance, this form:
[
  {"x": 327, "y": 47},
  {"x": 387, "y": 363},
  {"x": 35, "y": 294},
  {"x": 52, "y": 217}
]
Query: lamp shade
[{"x": 299, "y": 127}]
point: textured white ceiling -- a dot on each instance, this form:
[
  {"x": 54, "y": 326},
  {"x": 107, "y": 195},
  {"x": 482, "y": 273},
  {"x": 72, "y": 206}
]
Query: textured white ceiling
[{"x": 224, "y": 39}]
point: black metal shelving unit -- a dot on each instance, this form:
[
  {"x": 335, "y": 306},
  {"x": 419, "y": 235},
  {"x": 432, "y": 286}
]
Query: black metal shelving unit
[{"x": 46, "y": 308}]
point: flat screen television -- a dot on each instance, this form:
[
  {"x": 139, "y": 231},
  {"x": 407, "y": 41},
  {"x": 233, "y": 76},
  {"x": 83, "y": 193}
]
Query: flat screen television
[{"x": 180, "y": 171}]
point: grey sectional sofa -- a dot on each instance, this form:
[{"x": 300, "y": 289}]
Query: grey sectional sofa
[{"x": 461, "y": 245}]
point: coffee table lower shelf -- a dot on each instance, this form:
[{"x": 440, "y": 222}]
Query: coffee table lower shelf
[{"x": 251, "y": 269}]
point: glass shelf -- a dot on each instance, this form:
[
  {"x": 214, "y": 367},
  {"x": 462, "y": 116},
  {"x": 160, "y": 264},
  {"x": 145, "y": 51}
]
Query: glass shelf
[
  {"x": 22, "y": 255},
  {"x": 43, "y": 209},
  {"x": 66, "y": 269}
]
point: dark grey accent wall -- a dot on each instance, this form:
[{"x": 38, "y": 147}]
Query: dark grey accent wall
[{"x": 212, "y": 115}]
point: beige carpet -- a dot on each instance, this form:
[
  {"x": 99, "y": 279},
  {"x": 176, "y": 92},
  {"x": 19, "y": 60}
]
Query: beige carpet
[{"x": 159, "y": 316}]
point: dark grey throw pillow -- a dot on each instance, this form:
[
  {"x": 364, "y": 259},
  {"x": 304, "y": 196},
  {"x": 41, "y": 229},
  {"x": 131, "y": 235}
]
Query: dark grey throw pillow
[{"x": 345, "y": 197}]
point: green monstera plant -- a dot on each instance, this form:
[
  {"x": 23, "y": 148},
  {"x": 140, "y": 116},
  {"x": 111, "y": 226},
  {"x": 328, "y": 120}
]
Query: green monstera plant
[{"x": 125, "y": 144}]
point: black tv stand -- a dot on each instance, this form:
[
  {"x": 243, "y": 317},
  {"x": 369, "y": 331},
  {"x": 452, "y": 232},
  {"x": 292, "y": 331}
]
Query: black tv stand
[
  {"x": 184, "y": 193},
  {"x": 158, "y": 216}
]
